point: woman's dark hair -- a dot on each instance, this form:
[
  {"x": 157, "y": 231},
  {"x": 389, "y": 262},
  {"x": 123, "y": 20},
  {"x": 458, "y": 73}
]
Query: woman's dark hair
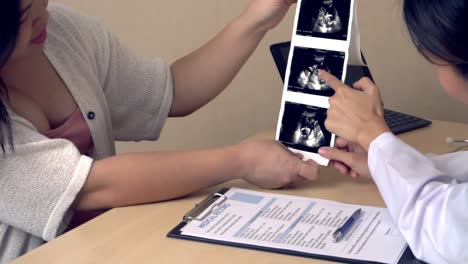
[
  {"x": 439, "y": 28},
  {"x": 10, "y": 15}
]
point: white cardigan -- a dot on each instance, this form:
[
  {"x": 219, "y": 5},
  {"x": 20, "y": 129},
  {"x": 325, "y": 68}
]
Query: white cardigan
[
  {"x": 426, "y": 195},
  {"x": 122, "y": 96}
]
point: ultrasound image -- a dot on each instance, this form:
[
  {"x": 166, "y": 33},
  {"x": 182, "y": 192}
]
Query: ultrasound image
[
  {"x": 324, "y": 19},
  {"x": 305, "y": 66},
  {"x": 303, "y": 128}
]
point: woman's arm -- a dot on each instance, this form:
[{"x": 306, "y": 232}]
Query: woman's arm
[
  {"x": 202, "y": 75},
  {"x": 150, "y": 177}
]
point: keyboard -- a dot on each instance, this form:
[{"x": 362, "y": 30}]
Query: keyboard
[{"x": 400, "y": 123}]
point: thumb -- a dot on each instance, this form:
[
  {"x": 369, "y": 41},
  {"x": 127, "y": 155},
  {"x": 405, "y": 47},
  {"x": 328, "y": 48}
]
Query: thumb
[
  {"x": 308, "y": 169},
  {"x": 336, "y": 154},
  {"x": 366, "y": 85},
  {"x": 341, "y": 143}
]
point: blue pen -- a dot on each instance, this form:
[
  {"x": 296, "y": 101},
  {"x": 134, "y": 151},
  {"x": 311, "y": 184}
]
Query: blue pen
[{"x": 340, "y": 232}]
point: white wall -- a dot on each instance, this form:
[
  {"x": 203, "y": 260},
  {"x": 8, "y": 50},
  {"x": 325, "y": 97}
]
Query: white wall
[{"x": 170, "y": 29}]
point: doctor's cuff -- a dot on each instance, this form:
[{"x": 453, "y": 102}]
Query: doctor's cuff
[{"x": 376, "y": 146}]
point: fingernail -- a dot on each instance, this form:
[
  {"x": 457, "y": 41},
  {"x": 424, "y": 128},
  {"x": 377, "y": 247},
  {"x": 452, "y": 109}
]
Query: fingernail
[{"x": 323, "y": 151}]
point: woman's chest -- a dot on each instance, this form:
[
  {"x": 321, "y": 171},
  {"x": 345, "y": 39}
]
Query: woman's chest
[{"x": 43, "y": 98}]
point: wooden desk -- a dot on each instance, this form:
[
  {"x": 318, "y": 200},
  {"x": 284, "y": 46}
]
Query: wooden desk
[{"x": 137, "y": 234}]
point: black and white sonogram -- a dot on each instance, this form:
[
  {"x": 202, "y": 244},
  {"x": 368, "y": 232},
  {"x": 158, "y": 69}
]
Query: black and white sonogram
[
  {"x": 303, "y": 127},
  {"x": 324, "y": 19},
  {"x": 305, "y": 66}
]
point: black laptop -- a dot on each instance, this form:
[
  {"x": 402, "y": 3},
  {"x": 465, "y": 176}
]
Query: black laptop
[{"x": 398, "y": 122}]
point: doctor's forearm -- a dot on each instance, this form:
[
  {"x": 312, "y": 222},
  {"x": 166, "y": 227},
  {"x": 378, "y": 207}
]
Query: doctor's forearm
[
  {"x": 422, "y": 200},
  {"x": 202, "y": 75}
]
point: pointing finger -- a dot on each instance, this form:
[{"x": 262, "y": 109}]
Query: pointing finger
[
  {"x": 331, "y": 80},
  {"x": 336, "y": 154}
]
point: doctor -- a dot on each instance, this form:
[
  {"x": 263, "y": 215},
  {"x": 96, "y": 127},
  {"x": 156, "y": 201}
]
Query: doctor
[{"x": 426, "y": 196}]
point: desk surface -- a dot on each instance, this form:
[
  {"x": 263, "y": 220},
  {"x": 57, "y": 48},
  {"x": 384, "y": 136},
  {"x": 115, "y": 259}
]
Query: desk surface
[{"x": 137, "y": 234}]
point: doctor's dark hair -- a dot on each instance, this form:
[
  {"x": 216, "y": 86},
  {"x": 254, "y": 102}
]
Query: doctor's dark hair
[
  {"x": 10, "y": 15},
  {"x": 439, "y": 28}
]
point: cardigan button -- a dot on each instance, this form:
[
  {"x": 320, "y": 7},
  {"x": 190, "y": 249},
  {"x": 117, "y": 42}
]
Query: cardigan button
[{"x": 91, "y": 115}]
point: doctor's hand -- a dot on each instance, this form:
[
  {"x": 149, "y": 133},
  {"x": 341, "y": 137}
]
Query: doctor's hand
[
  {"x": 348, "y": 158},
  {"x": 271, "y": 165},
  {"x": 267, "y": 14},
  {"x": 356, "y": 115}
]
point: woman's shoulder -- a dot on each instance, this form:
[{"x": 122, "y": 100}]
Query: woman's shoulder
[
  {"x": 68, "y": 16},
  {"x": 63, "y": 16},
  {"x": 70, "y": 26}
]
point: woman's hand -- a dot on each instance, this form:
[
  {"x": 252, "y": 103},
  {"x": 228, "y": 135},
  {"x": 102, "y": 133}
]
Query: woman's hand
[
  {"x": 267, "y": 14},
  {"x": 271, "y": 165},
  {"x": 356, "y": 115},
  {"x": 348, "y": 158}
]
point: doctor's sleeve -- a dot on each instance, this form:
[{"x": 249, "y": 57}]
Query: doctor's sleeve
[{"x": 429, "y": 204}]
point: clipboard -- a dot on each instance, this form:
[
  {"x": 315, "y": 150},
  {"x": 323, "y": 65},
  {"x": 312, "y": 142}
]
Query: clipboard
[{"x": 218, "y": 198}]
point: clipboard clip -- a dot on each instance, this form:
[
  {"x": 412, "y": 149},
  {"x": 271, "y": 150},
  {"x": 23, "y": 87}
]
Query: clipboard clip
[{"x": 214, "y": 200}]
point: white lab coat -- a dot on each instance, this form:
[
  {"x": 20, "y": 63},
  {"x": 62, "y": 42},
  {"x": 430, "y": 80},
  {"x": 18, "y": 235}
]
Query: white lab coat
[{"x": 426, "y": 195}]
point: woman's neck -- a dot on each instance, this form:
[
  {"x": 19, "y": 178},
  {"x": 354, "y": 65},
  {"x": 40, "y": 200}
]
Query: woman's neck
[{"x": 17, "y": 72}]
